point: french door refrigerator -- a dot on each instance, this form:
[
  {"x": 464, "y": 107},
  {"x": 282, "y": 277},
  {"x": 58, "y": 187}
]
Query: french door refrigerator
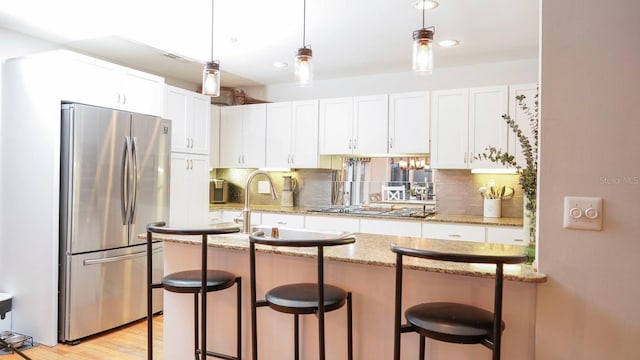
[{"x": 115, "y": 171}]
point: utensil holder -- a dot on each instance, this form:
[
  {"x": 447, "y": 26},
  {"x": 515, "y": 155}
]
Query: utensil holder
[{"x": 493, "y": 208}]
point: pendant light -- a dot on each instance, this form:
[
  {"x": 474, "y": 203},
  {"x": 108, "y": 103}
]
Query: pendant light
[
  {"x": 303, "y": 64},
  {"x": 211, "y": 72},
  {"x": 423, "y": 48}
]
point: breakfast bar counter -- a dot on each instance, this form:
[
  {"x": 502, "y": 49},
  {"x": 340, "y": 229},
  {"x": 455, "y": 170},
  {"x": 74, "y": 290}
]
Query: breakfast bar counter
[
  {"x": 373, "y": 249},
  {"x": 366, "y": 268}
]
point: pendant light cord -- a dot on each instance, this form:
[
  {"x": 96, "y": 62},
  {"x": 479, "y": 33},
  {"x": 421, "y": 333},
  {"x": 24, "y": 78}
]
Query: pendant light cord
[
  {"x": 212, "y": 7},
  {"x": 424, "y": 5},
  {"x": 304, "y": 23}
]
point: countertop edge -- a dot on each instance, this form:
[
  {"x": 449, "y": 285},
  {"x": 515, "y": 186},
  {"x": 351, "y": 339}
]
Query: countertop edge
[{"x": 236, "y": 242}]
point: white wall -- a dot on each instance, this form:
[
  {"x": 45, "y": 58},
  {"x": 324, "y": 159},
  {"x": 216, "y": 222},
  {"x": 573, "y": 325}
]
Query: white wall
[
  {"x": 588, "y": 309},
  {"x": 14, "y": 45},
  {"x": 516, "y": 72}
]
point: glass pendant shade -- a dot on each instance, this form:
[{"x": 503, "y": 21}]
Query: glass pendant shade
[
  {"x": 211, "y": 79},
  {"x": 423, "y": 51},
  {"x": 304, "y": 67}
]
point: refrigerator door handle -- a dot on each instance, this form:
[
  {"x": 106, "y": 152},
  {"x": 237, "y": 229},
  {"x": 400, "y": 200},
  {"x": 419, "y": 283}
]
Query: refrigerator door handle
[
  {"x": 124, "y": 181},
  {"x": 134, "y": 255},
  {"x": 134, "y": 184}
]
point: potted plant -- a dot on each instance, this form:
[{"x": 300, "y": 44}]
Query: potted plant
[{"x": 528, "y": 171}]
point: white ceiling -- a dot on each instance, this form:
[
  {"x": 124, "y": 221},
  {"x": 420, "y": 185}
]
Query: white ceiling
[{"x": 348, "y": 37}]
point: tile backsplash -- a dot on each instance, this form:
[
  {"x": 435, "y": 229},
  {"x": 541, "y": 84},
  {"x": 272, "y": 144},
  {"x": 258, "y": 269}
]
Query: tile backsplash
[{"x": 456, "y": 191}]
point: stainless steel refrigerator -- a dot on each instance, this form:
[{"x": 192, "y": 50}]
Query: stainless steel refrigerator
[{"x": 115, "y": 171}]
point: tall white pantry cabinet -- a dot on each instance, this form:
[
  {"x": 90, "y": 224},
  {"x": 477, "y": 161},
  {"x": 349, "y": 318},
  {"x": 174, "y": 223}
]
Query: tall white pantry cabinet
[
  {"x": 190, "y": 115},
  {"x": 33, "y": 89}
]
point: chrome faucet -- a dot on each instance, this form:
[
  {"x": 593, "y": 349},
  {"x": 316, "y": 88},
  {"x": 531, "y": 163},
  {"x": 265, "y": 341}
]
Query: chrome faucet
[{"x": 246, "y": 212}]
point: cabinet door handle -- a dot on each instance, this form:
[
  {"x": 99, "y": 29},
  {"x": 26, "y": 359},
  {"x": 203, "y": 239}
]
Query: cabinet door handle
[
  {"x": 465, "y": 157},
  {"x": 239, "y": 159},
  {"x": 355, "y": 144},
  {"x": 243, "y": 159},
  {"x": 293, "y": 159},
  {"x": 124, "y": 99},
  {"x": 390, "y": 143},
  {"x": 281, "y": 222},
  {"x": 349, "y": 144},
  {"x": 454, "y": 235},
  {"x": 470, "y": 157}
]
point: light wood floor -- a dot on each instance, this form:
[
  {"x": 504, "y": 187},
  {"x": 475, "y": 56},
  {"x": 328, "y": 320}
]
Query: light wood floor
[{"x": 126, "y": 343}]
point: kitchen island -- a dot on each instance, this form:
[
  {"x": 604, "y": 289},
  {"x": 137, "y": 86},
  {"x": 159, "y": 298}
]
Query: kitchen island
[{"x": 365, "y": 268}]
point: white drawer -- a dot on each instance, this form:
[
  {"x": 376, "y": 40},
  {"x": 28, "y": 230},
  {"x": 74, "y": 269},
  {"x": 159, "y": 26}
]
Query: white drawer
[
  {"x": 505, "y": 235},
  {"x": 284, "y": 220},
  {"x": 230, "y": 215},
  {"x": 390, "y": 227},
  {"x": 453, "y": 232},
  {"x": 332, "y": 223}
]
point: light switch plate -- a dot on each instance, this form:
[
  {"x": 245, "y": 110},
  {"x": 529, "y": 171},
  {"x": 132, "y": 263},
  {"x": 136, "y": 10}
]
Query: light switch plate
[
  {"x": 263, "y": 187},
  {"x": 583, "y": 213}
]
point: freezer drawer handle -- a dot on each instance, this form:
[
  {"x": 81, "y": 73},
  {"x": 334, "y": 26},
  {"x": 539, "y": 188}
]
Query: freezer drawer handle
[{"x": 118, "y": 258}]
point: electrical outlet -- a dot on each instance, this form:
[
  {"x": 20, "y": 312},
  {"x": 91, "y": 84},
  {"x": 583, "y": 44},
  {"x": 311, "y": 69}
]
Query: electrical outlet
[
  {"x": 263, "y": 187},
  {"x": 583, "y": 213}
]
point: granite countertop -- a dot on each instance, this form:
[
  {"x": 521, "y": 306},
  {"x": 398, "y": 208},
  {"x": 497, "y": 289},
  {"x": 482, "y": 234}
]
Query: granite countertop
[
  {"x": 372, "y": 249},
  {"x": 436, "y": 218}
]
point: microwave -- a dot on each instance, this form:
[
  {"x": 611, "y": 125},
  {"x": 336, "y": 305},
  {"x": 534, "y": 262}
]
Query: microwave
[{"x": 218, "y": 191}]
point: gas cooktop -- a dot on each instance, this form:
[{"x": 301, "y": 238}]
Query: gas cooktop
[{"x": 412, "y": 212}]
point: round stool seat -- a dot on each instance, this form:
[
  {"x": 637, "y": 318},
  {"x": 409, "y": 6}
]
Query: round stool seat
[
  {"x": 303, "y": 298},
  {"x": 452, "y": 322},
  {"x": 189, "y": 281}
]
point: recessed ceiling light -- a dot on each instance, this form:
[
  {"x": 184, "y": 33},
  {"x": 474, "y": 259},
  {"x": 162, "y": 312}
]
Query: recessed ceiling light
[
  {"x": 428, "y": 4},
  {"x": 280, "y": 64},
  {"x": 448, "y": 43}
]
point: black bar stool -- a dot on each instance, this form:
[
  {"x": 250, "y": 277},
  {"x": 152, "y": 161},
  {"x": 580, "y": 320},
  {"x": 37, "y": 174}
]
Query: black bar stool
[
  {"x": 194, "y": 282},
  {"x": 301, "y": 298},
  {"x": 447, "y": 321}
]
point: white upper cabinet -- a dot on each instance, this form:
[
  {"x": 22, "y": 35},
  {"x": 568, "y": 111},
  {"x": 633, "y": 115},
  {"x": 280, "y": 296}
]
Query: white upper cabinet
[
  {"x": 450, "y": 126},
  {"x": 336, "y": 124},
  {"x": 409, "y": 123},
  {"x": 96, "y": 82},
  {"x": 520, "y": 117},
  {"x": 243, "y": 136},
  {"x": 466, "y": 122},
  {"x": 190, "y": 117},
  {"x": 370, "y": 124},
  {"x": 486, "y": 125},
  {"x": 292, "y": 135},
  {"x": 354, "y": 125}
]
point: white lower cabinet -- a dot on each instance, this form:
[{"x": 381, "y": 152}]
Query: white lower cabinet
[
  {"x": 454, "y": 232},
  {"x": 284, "y": 220},
  {"x": 505, "y": 235},
  {"x": 332, "y": 223},
  {"x": 189, "y": 194},
  {"x": 390, "y": 227}
]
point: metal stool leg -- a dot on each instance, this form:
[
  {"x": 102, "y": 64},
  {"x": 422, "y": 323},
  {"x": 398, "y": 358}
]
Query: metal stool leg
[
  {"x": 196, "y": 330},
  {"x": 349, "y": 327},
  {"x": 422, "y": 346},
  {"x": 239, "y": 318},
  {"x": 296, "y": 336}
]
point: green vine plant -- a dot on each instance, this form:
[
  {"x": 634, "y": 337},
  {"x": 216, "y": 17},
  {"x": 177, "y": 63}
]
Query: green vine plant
[{"x": 529, "y": 170}]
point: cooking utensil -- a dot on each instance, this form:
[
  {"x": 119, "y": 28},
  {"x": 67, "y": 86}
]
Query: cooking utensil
[{"x": 16, "y": 340}]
